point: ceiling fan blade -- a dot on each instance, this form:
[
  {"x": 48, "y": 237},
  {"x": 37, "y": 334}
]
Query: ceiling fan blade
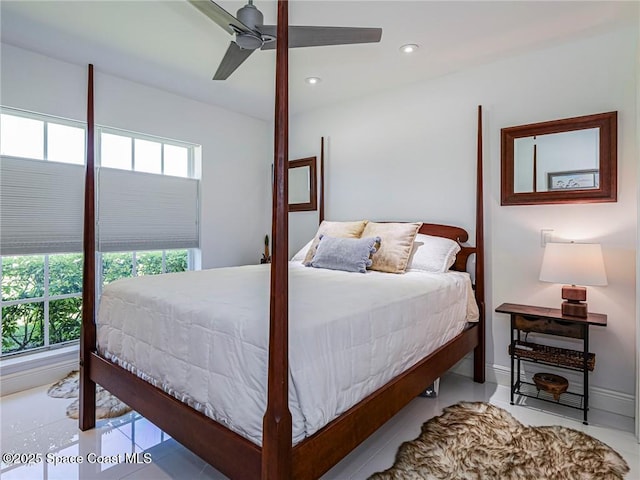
[
  {"x": 219, "y": 15},
  {"x": 232, "y": 60},
  {"x": 319, "y": 36}
]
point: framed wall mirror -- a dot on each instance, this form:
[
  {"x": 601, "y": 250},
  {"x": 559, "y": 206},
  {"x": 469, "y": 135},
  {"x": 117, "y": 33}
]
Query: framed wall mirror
[
  {"x": 573, "y": 160},
  {"x": 302, "y": 185}
]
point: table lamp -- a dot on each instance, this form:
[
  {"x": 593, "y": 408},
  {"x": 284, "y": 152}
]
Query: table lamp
[{"x": 575, "y": 264}]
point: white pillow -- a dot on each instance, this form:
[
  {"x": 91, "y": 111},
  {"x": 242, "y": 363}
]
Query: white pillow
[
  {"x": 299, "y": 257},
  {"x": 432, "y": 254}
]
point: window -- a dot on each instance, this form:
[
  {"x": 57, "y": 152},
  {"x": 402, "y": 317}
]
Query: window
[
  {"x": 41, "y": 234},
  {"x": 115, "y": 151},
  {"x": 145, "y": 153},
  {"x": 41, "y": 300},
  {"x": 41, "y": 138},
  {"x": 116, "y": 265},
  {"x": 146, "y": 195},
  {"x": 22, "y": 137},
  {"x": 147, "y": 206}
]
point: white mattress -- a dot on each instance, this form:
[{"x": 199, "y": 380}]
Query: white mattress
[{"x": 202, "y": 336}]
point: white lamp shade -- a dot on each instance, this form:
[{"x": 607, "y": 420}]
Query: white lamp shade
[{"x": 573, "y": 263}]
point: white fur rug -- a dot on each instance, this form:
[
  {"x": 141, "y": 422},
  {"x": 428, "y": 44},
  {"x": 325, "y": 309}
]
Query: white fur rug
[
  {"x": 476, "y": 440},
  {"x": 107, "y": 405}
]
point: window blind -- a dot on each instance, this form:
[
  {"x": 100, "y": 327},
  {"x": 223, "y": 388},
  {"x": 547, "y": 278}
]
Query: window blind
[
  {"x": 41, "y": 206},
  {"x": 143, "y": 211}
]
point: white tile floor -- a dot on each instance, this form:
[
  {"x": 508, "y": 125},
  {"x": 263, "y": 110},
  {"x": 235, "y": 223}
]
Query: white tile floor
[{"x": 34, "y": 423}]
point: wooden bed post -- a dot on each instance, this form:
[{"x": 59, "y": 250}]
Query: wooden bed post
[
  {"x": 87, "y": 416},
  {"x": 321, "y": 208},
  {"x": 276, "y": 426},
  {"x": 479, "y": 351}
]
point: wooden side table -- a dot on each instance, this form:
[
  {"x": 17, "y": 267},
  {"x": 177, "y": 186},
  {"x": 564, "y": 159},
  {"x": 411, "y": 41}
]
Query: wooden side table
[{"x": 550, "y": 321}]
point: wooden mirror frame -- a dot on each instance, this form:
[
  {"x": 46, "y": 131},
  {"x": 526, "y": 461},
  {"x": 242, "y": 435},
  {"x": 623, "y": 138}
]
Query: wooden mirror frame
[
  {"x": 608, "y": 161},
  {"x": 312, "y": 204}
]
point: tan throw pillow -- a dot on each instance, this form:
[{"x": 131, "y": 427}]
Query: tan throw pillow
[
  {"x": 335, "y": 229},
  {"x": 395, "y": 247}
]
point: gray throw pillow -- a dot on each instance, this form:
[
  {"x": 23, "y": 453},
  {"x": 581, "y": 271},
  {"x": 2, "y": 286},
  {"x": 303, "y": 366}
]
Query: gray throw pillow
[{"x": 348, "y": 254}]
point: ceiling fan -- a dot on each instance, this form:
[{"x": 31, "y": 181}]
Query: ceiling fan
[{"x": 251, "y": 34}]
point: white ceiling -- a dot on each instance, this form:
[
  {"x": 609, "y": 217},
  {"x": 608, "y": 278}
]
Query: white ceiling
[{"x": 172, "y": 46}]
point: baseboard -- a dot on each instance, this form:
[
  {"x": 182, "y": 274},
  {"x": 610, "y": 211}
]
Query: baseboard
[
  {"x": 33, "y": 371},
  {"x": 600, "y": 398}
]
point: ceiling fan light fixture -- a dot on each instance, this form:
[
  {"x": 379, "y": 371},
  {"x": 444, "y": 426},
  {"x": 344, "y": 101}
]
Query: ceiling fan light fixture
[
  {"x": 313, "y": 80},
  {"x": 252, "y": 34},
  {"x": 409, "y": 48},
  {"x": 249, "y": 41}
]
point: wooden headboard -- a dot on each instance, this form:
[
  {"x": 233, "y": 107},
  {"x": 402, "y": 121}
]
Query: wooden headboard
[{"x": 456, "y": 234}]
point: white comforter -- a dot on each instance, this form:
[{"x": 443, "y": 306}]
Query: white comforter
[{"x": 202, "y": 336}]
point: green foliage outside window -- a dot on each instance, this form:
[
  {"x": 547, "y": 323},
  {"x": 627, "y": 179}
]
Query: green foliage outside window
[
  {"x": 65, "y": 274},
  {"x": 22, "y": 326},
  {"x": 120, "y": 265},
  {"x": 65, "y": 318},
  {"x": 177, "y": 261},
  {"x": 23, "y": 278},
  {"x": 150, "y": 263},
  {"x": 116, "y": 266}
]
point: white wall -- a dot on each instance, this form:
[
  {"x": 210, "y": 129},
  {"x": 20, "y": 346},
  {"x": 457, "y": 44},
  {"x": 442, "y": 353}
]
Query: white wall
[
  {"x": 409, "y": 154},
  {"x": 235, "y": 147}
]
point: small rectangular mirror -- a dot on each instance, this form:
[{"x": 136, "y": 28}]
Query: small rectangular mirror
[
  {"x": 571, "y": 160},
  {"x": 302, "y": 185}
]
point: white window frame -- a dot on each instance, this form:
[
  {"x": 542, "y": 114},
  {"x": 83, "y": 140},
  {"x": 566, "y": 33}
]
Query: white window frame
[
  {"x": 45, "y": 298},
  {"x": 193, "y": 154},
  {"x": 46, "y": 119},
  {"x": 191, "y": 148}
]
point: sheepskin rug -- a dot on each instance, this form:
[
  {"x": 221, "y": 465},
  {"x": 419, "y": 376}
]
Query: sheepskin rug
[
  {"x": 107, "y": 406},
  {"x": 476, "y": 440}
]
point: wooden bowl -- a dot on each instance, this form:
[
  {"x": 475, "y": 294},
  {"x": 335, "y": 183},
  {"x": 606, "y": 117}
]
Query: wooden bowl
[{"x": 549, "y": 382}]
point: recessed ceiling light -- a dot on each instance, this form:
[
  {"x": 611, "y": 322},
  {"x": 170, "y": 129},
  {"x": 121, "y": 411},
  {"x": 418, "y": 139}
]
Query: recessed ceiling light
[
  {"x": 313, "y": 80},
  {"x": 409, "y": 48}
]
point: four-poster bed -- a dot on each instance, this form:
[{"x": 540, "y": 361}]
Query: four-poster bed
[{"x": 277, "y": 457}]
